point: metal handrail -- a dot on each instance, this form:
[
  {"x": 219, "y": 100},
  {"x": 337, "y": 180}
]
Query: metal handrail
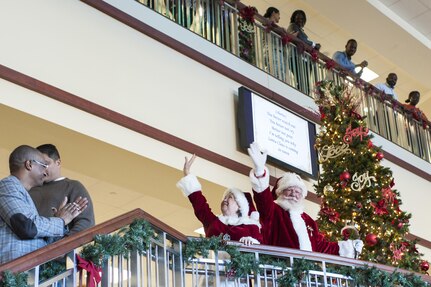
[{"x": 163, "y": 264}]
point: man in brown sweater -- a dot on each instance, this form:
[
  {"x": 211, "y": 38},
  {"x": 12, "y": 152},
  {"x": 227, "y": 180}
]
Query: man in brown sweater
[{"x": 56, "y": 188}]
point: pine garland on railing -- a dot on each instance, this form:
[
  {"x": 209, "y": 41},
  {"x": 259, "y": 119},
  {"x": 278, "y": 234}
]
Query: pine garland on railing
[
  {"x": 243, "y": 263},
  {"x": 10, "y": 279},
  {"x": 246, "y": 31},
  {"x": 240, "y": 264},
  {"x": 136, "y": 236},
  {"x": 139, "y": 234}
]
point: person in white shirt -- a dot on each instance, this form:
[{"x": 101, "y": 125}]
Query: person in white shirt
[{"x": 389, "y": 86}]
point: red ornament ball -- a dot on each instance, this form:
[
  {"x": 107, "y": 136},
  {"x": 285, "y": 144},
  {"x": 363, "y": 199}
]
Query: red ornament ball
[
  {"x": 425, "y": 265},
  {"x": 379, "y": 155},
  {"x": 344, "y": 176},
  {"x": 400, "y": 225},
  {"x": 370, "y": 144},
  {"x": 359, "y": 205},
  {"x": 371, "y": 239}
]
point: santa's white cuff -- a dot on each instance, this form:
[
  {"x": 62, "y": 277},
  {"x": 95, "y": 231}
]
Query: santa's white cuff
[
  {"x": 259, "y": 184},
  {"x": 189, "y": 184},
  {"x": 346, "y": 248}
]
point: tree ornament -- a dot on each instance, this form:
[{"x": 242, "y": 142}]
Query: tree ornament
[
  {"x": 379, "y": 155},
  {"x": 328, "y": 189},
  {"x": 370, "y": 144},
  {"x": 358, "y": 205},
  {"x": 356, "y": 132},
  {"x": 425, "y": 265},
  {"x": 360, "y": 181},
  {"x": 400, "y": 225},
  {"x": 333, "y": 151},
  {"x": 344, "y": 176},
  {"x": 371, "y": 239}
]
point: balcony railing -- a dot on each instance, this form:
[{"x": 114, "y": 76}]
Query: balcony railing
[
  {"x": 163, "y": 262},
  {"x": 271, "y": 49}
]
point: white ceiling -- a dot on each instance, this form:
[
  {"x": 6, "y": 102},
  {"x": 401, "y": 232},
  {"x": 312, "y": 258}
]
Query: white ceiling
[{"x": 386, "y": 45}]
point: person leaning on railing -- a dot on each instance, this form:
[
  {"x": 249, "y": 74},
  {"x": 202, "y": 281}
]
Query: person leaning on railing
[
  {"x": 22, "y": 230},
  {"x": 412, "y": 101},
  {"x": 344, "y": 58},
  {"x": 389, "y": 86},
  {"x": 234, "y": 223},
  {"x": 284, "y": 222}
]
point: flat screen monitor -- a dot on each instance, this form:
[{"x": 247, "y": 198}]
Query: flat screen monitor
[{"x": 288, "y": 138}]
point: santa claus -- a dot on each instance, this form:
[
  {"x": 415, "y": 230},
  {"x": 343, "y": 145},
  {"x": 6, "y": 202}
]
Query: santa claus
[
  {"x": 234, "y": 223},
  {"x": 284, "y": 222}
]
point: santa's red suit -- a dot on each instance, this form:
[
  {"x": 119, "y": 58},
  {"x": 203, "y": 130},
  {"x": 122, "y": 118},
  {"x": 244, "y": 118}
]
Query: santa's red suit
[
  {"x": 236, "y": 227},
  {"x": 286, "y": 227},
  {"x": 280, "y": 227}
]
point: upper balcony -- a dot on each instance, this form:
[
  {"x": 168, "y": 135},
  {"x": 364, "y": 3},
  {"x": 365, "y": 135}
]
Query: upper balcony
[{"x": 236, "y": 28}]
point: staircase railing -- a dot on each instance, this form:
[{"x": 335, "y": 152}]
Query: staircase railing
[
  {"x": 271, "y": 49},
  {"x": 163, "y": 263}
]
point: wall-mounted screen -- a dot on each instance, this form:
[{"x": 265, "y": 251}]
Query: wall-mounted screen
[{"x": 288, "y": 138}]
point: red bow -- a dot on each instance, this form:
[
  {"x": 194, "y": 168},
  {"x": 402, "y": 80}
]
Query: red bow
[
  {"x": 330, "y": 64},
  {"x": 93, "y": 272}
]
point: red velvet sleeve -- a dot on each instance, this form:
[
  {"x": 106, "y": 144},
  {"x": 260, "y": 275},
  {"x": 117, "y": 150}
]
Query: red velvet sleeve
[
  {"x": 201, "y": 208},
  {"x": 264, "y": 204}
]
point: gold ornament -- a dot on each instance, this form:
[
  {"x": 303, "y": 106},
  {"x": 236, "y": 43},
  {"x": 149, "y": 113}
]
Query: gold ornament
[
  {"x": 328, "y": 189},
  {"x": 333, "y": 151},
  {"x": 360, "y": 181}
]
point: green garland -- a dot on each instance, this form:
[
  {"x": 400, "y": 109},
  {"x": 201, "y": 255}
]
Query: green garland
[
  {"x": 13, "y": 280},
  {"x": 244, "y": 263},
  {"x": 135, "y": 237},
  {"x": 139, "y": 234}
]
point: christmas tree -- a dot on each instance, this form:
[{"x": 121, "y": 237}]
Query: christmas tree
[{"x": 357, "y": 191}]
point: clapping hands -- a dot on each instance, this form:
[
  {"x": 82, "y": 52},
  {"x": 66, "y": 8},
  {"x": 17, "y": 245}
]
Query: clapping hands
[{"x": 68, "y": 211}]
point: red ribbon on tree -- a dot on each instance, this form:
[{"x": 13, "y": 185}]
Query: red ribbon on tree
[{"x": 93, "y": 272}]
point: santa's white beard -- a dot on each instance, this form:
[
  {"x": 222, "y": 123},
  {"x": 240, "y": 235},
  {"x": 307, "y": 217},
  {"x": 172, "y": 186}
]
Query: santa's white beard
[{"x": 291, "y": 205}]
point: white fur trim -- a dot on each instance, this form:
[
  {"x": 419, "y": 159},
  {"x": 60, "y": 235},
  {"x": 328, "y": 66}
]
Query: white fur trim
[
  {"x": 301, "y": 231},
  {"x": 240, "y": 199},
  {"x": 235, "y": 220},
  {"x": 346, "y": 248},
  {"x": 261, "y": 183},
  {"x": 254, "y": 215},
  {"x": 189, "y": 184},
  {"x": 291, "y": 179}
]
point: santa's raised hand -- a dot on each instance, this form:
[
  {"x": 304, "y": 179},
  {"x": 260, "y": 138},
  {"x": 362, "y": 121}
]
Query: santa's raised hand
[{"x": 258, "y": 157}]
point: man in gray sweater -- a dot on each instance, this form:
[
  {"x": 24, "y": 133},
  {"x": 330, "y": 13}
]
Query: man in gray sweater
[{"x": 56, "y": 188}]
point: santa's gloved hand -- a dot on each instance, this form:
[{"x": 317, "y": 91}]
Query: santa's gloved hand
[
  {"x": 248, "y": 240},
  {"x": 347, "y": 248},
  {"x": 258, "y": 158},
  {"x": 358, "y": 244}
]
